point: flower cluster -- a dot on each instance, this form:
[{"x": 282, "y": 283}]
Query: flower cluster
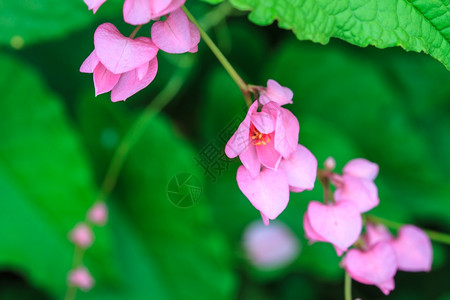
[
  {"x": 126, "y": 65},
  {"x": 273, "y": 161},
  {"x": 381, "y": 255},
  {"x": 83, "y": 237},
  {"x": 338, "y": 221}
]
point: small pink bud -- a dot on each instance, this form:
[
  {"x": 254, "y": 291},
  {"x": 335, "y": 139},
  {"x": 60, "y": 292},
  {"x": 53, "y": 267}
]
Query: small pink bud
[
  {"x": 82, "y": 236},
  {"x": 81, "y": 278},
  {"x": 330, "y": 163},
  {"x": 98, "y": 214},
  {"x": 270, "y": 247}
]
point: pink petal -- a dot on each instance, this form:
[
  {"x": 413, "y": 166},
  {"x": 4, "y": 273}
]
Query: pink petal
[
  {"x": 104, "y": 80},
  {"x": 267, "y": 154},
  {"x": 413, "y": 249},
  {"x": 174, "y": 34},
  {"x": 240, "y": 140},
  {"x": 270, "y": 247},
  {"x": 265, "y": 219},
  {"x": 362, "y": 168},
  {"x": 263, "y": 121},
  {"x": 94, "y": 4},
  {"x": 360, "y": 191},
  {"x": 387, "y": 286},
  {"x": 250, "y": 160},
  {"x": 195, "y": 37},
  {"x": 309, "y": 231},
  {"x": 129, "y": 83},
  {"x": 286, "y": 129},
  {"x": 268, "y": 192},
  {"x": 376, "y": 233},
  {"x": 120, "y": 54},
  {"x": 339, "y": 224},
  {"x": 89, "y": 63},
  {"x": 376, "y": 266},
  {"x": 173, "y": 5},
  {"x": 300, "y": 169},
  {"x": 142, "y": 70},
  {"x": 137, "y": 12},
  {"x": 276, "y": 93}
]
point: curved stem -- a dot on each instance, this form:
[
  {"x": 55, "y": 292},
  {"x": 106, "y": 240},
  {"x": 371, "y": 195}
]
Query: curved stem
[
  {"x": 348, "y": 287},
  {"x": 133, "y": 134},
  {"x": 433, "y": 235},
  {"x": 222, "y": 59},
  {"x": 135, "y": 31}
]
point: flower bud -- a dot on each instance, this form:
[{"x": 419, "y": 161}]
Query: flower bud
[{"x": 82, "y": 236}]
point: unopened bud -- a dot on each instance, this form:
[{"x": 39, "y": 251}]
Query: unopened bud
[
  {"x": 330, "y": 163},
  {"x": 98, "y": 214},
  {"x": 81, "y": 278},
  {"x": 82, "y": 236}
]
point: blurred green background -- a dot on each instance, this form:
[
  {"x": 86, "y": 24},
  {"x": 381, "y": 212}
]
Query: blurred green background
[{"x": 57, "y": 139}]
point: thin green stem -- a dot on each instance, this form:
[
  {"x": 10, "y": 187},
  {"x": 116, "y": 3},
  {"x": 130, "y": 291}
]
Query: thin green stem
[
  {"x": 348, "y": 287},
  {"x": 222, "y": 59},
  {"x": 71, "y": 293},
  {"x": 433, "y": 235},
  {"x": 136, "y": 130},
  {"x": 135, "y": 31}
]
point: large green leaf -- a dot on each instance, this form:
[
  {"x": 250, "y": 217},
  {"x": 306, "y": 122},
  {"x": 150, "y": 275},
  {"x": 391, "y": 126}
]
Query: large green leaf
[
  {"x": 28, "y": 21},
  {"x": 44, "y": 180},
  {"x": 188, "y": 254},
  {"x": 413, "y": 25}
]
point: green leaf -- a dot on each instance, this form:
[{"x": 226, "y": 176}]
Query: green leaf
[
  {"x": 27, "y": 21},
  {"x": 45, "y": 181},
  {"x": 190, "y": 257},
  {"x": 421, "y": 26}
]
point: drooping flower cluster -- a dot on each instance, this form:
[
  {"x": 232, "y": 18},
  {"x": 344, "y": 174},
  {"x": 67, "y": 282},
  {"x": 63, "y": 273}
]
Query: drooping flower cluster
[
  {"x": 273, "y": 161},
  {"x": 381, "y": 255},
  {"x": 378, "y": 255},
  {"x": 126, "y": 65},
  {"x": 83, "y": 237}
]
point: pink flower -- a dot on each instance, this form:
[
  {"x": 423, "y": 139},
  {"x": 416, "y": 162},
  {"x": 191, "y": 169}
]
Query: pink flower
[
  {"x": 137, "y": 12},
  {"x": 177, "y": 34},
  {"x": 412, "y": 246},
  {"x": 300, "y": 169},
  {"x": 82, "y": 236},
  {"x": 376, "y": 266},
  {"x": 413, "y": 249},
  {"x": 98, "y": 214},
  {"x": 270, "y": 247},
  {"x": 376, "y": 233},
  {"x": 263, "y": 138},
  {"x": 81, "y": 278},
  {"x": 121, "y": 65},
  {"x": 268, "y": 191},
  {"x": 356, "y": 184},
  {"x": 339, "y": 224},
  {"x": 276, "y": 93},
  {"x": 94, "y": 4}
]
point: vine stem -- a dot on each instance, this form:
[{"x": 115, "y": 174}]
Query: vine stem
[
  {"x": 138, "y": 127},
  {"x": 348, "y": 287},
  {"x": 222, "y": 59},
  {"x": 433, "y": 235}
]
